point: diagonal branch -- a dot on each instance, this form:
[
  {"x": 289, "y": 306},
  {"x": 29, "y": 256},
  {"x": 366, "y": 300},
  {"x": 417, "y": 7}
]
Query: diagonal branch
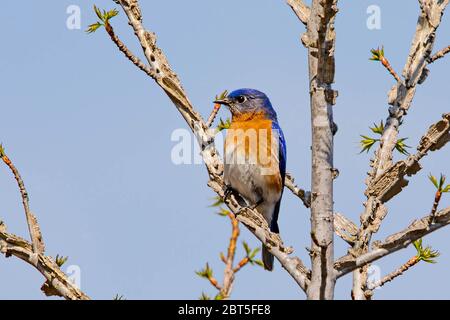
[
  {"x": 393, "y": 243},
  {"x": 440, "y": 54},
  {"x": 305, "y": 196},
  {"x": 391, "y": 182},
  {"x": 345, "y": 228},
  {"x": 301, "y": 10},
  {"x": 127, "y": 52},
  {"x": 169, "y": 82},
  {"x": 33, "y": 227},
  {"x": 394, "y": 274},
  {"x": 57, "y": 282}
]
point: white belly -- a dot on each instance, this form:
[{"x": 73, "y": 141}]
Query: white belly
[{"x": 251, "y": 181}]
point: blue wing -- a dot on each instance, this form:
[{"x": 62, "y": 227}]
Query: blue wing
[{"x": 282, "y": 165}]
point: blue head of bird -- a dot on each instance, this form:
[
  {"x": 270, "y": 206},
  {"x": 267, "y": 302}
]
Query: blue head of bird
[{"x": 246, "y": 104}]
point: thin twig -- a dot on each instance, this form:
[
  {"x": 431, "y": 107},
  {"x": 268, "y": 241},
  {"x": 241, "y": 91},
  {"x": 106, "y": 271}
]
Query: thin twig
[
  {"x": 391, "y": 276},
  {"x": 387, "y": 65},
  {"x": 127, "y": 52},
  {"x": 215, "y": 283},
  {"x": 229, "y": 272},
  {"x": 243, "y": 262},
  {"x": 305, "y": 196},
  {"x": 440, "y": 54},
  {"x": 437, "y": 199},
  {"x": 228, "y": 275},
  {"x": 33, "y": 227},
  {"x": 393, "y": 243},
  {"x": 213, "y": 115}
]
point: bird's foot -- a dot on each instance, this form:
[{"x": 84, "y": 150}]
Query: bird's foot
[
  {"x": 228, "y": 191},
  {"x": 253, "y": 207}
]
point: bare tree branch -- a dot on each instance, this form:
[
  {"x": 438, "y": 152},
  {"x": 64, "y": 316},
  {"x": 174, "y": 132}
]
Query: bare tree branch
[
  {"x": 127, "y": 52},
  {"x": 320, "y": 41},
  {"x": 378, "y": 55},
  {"x": 33, "y": 253},
  {"x": 392, "y": 181},
  {"x": 426, "y": 254},
  {"x": 57, "y": 282},
  {"x": 416, "y": 230},
  {"x": 305, "y": 196},
  {"x": 169, "y": 82},
  {"x": 396, "y": 273},
  {"x": 229, "y": 272},
  {"x": 440, "y": 54},
  {"x": 302, "y": 11},
  {"x": 345, "y": 228},
  {"x": 400, "y": 98},
  {"x": 33, "y": 226}
]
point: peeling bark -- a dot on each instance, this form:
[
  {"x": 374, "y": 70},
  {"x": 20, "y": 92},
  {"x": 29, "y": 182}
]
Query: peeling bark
[{"x": 320, "y": 41}]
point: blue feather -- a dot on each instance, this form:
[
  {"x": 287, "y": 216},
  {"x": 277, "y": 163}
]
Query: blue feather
[{"x": 282, "y": 156}]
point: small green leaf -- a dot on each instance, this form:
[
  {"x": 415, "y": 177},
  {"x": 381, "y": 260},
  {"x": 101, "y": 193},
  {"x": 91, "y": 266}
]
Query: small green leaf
[
  {"x": 441, "y": 182},
  {"x": 110, "y": 14},
  {"x": 418, "y": 244},
  {"x": 377, "y": 54},
  {"x": 94, "y": 27},
  {"x": 446, "y": 189},
  {"x": 401, "y": 146},
  {"x": 205, "y": 273},
  {"x": 246, "y": 248},
  {"x": 223, "y": 95},
  {"x": 218, "y": 296},
  {"x": 425, "y": 254},
  {"x": 378, "y": 129},
  {"x": 223, "y": 212},
  {"x": 98, "y": 12},
  {"x": 60, "y": 260},
  {"x": 218, "y": 201},
  {"x": 433, "y": 180},
  {"x": 367, "y": 143},
  {"x": 252, "y": 255},
  {"x": 258, "y": 262},
  {"x": 224, "y": 124},
  {"x": 2, "y": 150},
  {"x": 204, "y": 296}
]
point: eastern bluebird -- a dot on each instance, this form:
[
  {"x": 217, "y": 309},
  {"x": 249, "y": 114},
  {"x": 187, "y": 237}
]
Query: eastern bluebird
[{"x": 255, "y": 156}]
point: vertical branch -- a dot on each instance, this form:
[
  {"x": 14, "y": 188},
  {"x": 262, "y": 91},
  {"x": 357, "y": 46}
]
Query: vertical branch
[
  {"x": 230, "y": 271},
  {"x": 320, "y": 40},
  {"x": 228, "y": 275},
  {"x": 33, "y": 227},
  {"x": 400, "y": 99}
]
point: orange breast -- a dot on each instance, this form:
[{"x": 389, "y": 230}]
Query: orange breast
[{"x": 254, "y": 138}]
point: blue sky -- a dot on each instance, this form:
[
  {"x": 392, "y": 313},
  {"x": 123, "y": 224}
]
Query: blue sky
[{"x": 91, "y": 135}]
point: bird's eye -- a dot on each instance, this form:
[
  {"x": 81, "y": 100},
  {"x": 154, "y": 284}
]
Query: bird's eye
[{"x": 241, "y": 99}]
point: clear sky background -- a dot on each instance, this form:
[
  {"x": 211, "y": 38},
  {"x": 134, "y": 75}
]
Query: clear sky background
[{"x": 90, "y": 134}]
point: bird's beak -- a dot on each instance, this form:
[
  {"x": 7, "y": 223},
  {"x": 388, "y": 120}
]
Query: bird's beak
[{"x": 224, "y": 101}]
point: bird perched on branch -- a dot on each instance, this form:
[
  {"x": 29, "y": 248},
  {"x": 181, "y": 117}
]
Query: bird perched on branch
[{"x": 255, "y": 156}]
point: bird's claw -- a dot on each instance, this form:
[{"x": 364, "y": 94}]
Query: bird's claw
[{"x": 228, "y": 191}]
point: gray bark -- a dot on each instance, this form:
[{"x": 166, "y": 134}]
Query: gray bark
[
  {"x": 320, "y": 40},
  {"x": 400, "y": 98}
]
